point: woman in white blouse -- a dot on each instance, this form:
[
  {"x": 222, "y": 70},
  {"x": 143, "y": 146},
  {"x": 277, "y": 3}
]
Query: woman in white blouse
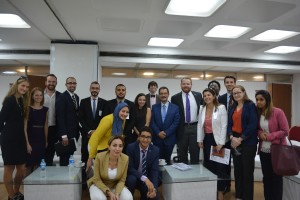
[{"x": 211, "y": 131}]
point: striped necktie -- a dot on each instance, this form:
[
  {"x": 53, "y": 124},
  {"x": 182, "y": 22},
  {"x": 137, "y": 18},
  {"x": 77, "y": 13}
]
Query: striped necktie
[
  {"x": 74, "y": 101},
  {"x": 144, "y": 167}
]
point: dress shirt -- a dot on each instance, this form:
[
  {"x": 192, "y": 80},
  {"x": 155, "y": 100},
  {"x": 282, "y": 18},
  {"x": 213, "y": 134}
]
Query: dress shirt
[
  {"x": 49, "y": 101},
  {"x": 96, "y": 102},
  {"x": 193, "y": 106},
  {"x": 143, "y": 178}
]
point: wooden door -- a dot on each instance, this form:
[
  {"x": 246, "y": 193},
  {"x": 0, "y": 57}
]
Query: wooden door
[
  {"x": 282, "y": 98},
  {"x": 36, "y": 81}
]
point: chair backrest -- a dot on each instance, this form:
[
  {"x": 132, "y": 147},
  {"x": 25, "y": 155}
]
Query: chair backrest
[{"x": 294, "y": 133}]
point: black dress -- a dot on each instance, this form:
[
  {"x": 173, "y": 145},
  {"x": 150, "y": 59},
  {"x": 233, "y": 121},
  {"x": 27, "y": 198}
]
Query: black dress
[
  {"x": 13, "y": 143},
  {"x": 36, "y": 134},
  {"x": 140, "y": 118}
]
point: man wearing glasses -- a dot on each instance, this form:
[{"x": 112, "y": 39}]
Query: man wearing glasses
[
  {"x": 143, "y": 165},
  {"x": 67, "y": 113}
]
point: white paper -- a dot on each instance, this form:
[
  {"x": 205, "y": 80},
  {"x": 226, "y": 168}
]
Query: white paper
[
  {"x": 224, "y": 160},
  {"x": 181, "y": 166}
]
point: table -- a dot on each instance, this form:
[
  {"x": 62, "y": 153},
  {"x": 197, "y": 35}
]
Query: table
[
  {"x": 58, "y": 183},
  {"x": 196, "y": 183},
  {"x": 291, "y": 185}
]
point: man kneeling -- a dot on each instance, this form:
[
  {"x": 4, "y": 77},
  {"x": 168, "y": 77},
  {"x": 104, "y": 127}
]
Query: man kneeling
[{"x": 143, "y": 169}]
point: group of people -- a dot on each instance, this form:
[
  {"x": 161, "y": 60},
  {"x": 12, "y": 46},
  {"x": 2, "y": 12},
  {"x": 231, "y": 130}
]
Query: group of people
[{"x": 123, "y": 140}]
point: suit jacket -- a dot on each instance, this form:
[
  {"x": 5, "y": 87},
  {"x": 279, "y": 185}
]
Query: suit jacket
[
  {"x": 169, "y": 125},
  {"x": 67, "y": 116},
  {"x": 129, "y": 124},
  {"x": 100, "y": 178},
  {"x": 219, "y": 124},
  {"x": 249, "y": 122},
  {"x": 177, "y": 99},
  {"x": 133, "y": 152},
  {"x": 148, "y": 99},
  {"x": 223, "y": 100}
]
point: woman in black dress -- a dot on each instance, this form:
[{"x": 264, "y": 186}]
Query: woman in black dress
[
  {"x": 143, "y": 114},
  {"x": 13, "y": 144},
  {"x": 36, "y": 129}
]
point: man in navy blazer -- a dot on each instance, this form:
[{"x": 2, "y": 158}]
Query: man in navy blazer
[
  {"x": 89, "y": 121},
  {"x": 67, "y": 112},
  {"x": 50, "y": 100},
  {"x": 164, "y": 125},
  {"x": 229, "y": 82},
  {"x": 187, "y": 131},
  {"x": 147, "y": 183}
]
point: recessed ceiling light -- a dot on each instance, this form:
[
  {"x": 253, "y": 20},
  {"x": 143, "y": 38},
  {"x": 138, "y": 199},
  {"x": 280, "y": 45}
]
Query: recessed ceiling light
[
  {"x": 23, "y": 70},
  {"x": 181, "y": 76},
  {"x": 119, "y": 74},
  {"x": 12, "y": 21},
  {"x": 195, "y": 78},
  {"x": 283, "y": 49},
  {"x": 225, "y": 31},
  {"x": 165, "y": 42},
  {"x": 219, "y": 77},
  {"x": 241, "y": 80},
  {"x": 148, "y": 73},
  {"x": 9, "y": 72},
  {"x": 258, "y": 77},
  {"x": 274, "y": 35},
  {"x": 0, "y": 40},
  {"x": 193, "y": 7}
]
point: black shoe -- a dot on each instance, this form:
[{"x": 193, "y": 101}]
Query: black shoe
[{"x": 18, "y": 196}]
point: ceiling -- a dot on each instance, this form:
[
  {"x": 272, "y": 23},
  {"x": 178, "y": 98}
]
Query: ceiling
[{"x": 122, "y": 29}]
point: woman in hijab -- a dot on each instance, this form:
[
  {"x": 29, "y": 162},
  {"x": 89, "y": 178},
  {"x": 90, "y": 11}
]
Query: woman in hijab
[{"x": 111, "y": 124}]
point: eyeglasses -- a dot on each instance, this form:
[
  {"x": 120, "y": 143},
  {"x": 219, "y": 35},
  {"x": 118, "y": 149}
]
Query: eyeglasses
[
  {"x": 145, "y": 137},
  {"x": 72, "y": 83},
  {"x": 22, "y": 78},
  {"x": 236, "y": 93}
]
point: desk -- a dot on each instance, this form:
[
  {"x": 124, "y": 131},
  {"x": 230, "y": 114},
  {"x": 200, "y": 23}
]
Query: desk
[
  {"x": 196, "y": 183},
  {"x": 59, "y": 183},
  {"x": 291, "y": 185}
]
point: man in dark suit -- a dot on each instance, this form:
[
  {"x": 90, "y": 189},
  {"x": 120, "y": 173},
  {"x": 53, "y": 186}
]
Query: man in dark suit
[
  {"x": 67, "y": 112},
  {"x": 164, "y": 122},
  {"x": 229, "y": 82},
  {"x": 227, "y": 100},
  {"x": 110, "y": 106},
  {"x": 152, "y": 98},
  {"x": 50, "y": 100},
  {"x": 144, "y": 180},
  {"x": 90, "y": 114},
  {"x": 189, "y": 103}
]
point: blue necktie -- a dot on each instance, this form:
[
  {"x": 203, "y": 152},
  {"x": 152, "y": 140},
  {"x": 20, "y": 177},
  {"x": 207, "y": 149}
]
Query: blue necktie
[
  {"x": 94, "y": 108},
  {"x": 144, "y": 167},
  {"x": 164, "y": 113},
  {"x": 187, "y": 109}
]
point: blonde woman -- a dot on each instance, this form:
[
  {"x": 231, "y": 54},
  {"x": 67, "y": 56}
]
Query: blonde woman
[{"x": 13, "y": 144}]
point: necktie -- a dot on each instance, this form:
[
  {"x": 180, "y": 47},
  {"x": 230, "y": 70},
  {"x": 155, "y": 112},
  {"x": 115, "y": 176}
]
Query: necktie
[
  {"x": 187, "y": 109},
  {"x": 74, "y": 101},
  {"x": 164, "y": 113},
  {"x": 94, "y": 108},
  {"x": 230, "y": 102},
  {"x": 144, "y": 168}
]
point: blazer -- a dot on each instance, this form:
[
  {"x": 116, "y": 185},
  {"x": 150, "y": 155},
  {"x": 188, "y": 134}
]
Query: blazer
[
  {"x": 100, "y": 137},
  {"x": 129, "y": 124},
  {"x": 100, "y": 178},
  {"x": 169, "y": 126},
  {"x": 148, "y": 99},
  {"x": 249, "y": 123},
  {"x": 219, "y": 124},
  {"x": 223, "y": 100},
  {"x": 67, "y": 116},
  {"x": 133, "y": 152},
  {"x": 278, "y": 127},
  {"x": 177, "y": 99}
]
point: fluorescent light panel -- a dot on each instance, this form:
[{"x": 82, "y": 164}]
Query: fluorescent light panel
[
  {"x": 225, "y": 31},
  {"x": 196, "y": 8},
  {"x": 283, "y": 49},
  {"x": 12, "y": 21},
  {"x": 165, "y": 42},
  {"x": 274, "y": 35},
  {"x": 119, "y": 74},
  {"x": 9, "y": 72},
  {"x": 148, "y": 73}
]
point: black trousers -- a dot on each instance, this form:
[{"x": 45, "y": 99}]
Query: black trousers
[
  {"x": 273, "y": 184},
  {"x": 243, "y": 172},
  {"x": 50, "y": 150},
  {"x": 217, "y": 168},
  {"x": 188, "y": 143}
]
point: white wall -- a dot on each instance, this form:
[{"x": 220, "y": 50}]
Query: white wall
[
  {"x": 4, "y": 85},
  {"x": 295, "y": 100}
]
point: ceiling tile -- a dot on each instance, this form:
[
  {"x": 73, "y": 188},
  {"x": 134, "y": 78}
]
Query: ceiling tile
[
  {"x": 208, "y": 44},
  {"x": 192, "y": 67},
  {"x": 119, "y": 24},
  {"x": 246, "y": 47},
  {"x": 156, "y": 66},
  {"x": 177, "y": 28}
]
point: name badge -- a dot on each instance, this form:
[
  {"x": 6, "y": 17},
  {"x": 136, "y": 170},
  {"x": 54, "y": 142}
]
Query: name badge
[
  {"x": 127, "y": 117},
  {"x": 100, "y": 113},
  {"x": 215, "y": 115}
]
